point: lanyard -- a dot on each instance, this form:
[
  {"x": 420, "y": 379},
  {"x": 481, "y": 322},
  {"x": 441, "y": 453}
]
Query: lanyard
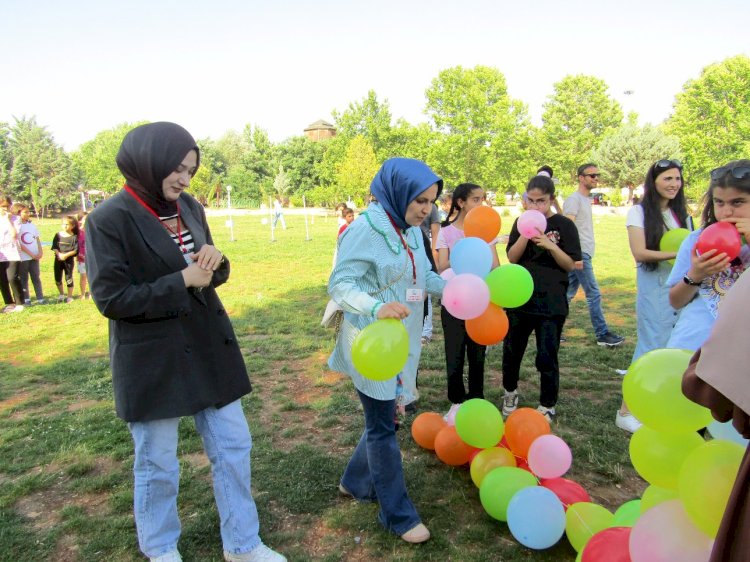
[
  {"x": 408, "y": 250},
  {"x": 177, "y": 233}
]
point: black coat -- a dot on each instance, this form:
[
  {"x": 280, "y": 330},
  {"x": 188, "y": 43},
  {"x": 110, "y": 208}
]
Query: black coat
[{"x": 172, "y": 350}]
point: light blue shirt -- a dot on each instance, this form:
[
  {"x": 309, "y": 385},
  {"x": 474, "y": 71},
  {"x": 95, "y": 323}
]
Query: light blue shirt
[{"x": 370, "y": 258}]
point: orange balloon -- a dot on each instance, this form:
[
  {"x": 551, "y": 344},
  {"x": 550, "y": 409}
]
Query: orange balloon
[
  {"x": 482, "y": 222},
  {"x": 490, "y": 327},
  {"x": 522, "y": 427},
  {"x": 425, "y": 428},
  {"x": 450, "y": 449}
]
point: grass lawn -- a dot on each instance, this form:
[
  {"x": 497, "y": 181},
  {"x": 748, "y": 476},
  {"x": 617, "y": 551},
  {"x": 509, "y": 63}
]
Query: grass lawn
[{"x": 65, "y": 459}]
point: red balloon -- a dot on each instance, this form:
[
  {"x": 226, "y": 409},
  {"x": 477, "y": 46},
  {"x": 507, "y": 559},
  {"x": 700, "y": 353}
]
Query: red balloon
[
  {"x": 720, "y": 236},
  {"x": 567, "y": 491},
  {"x": 609, "y": 545}
]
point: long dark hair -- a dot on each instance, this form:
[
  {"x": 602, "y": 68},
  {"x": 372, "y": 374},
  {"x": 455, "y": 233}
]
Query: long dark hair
[
  {"x": 462, "y": 192},
  {"x": 653, "y": 221},
  {"x": 708, "y": 217}
]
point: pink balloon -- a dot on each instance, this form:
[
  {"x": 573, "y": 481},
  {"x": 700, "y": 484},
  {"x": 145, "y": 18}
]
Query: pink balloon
[
  {"x": 665, "y": 534},
  {"x": 549, "y": 456},
  {"x": 448, "y": 274},
  {"x": 530, "y": 222},
  {"x": 466, "y": 296}
]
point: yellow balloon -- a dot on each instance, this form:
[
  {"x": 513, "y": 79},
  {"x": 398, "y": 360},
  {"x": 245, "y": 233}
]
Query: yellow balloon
[
  {"x": 583, "y": 520},
  {"x": 380, "y": 350},
  {"x": 654, "y": 495},
  {"x": 658, "y": 456},
  {"x": 706, "y": 480},
  {"x": 488, "y": 459}
]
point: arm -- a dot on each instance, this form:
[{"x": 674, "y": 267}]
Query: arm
[
  {"x": 443, "y": 261},
  {"x": 637, "y": 240},
  {"x": 701, "y": 267},
  {"x": 208, "y": 257},
  {"x": 434, "y": 233},
  {"x": 561, "y": 258},
  {"x": 516, "y": 244}
]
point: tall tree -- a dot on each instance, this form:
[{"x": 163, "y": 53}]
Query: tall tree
[
  {"x": 96, "y": 158},
  {"x": 357, "y": 170},
  {"x": 300, "y": 156},
  {"x": 368, "y": 118},
  {"x": 712, "y": 118},
  {"x": 576, "y": 118},
  {"x": 6, "y": 156}
]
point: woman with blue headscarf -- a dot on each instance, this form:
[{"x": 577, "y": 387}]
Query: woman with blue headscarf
[{"x": 382, "y": 271}]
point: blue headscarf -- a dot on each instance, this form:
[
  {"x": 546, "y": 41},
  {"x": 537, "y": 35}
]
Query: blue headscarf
[{"x": 398, "y": 182}]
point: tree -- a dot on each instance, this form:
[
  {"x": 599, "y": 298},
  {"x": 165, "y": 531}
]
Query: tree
[
  {"x": 300, "y": 157},
  {"x": 6, "y": 156},
  {"x": 281, "y": 183},
  {"x": 575, "y": 121},
  {"x": 624, "y": 156},
  {"x": 96, "y": 158},
  {"x": 357, "y": 170},
  {"x": 369, "y": 119},
  {"x": 481, "y": 128},
  {"x": 712, "y": 118}
]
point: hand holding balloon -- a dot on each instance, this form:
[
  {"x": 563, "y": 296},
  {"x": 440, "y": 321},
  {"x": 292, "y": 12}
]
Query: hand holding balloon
[
  {"x": 531, "y": 223},
  {"x": 706, "y": 264},
  {"x": 722, "y": 237},
  {"x": 393, "y": 310}
]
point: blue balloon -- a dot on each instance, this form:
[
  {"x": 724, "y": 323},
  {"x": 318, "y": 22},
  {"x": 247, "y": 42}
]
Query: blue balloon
[
  {"x": 536, "y": 517},
  {"x": 471, "y": 255},
  {"x": 727, "y": 432}
]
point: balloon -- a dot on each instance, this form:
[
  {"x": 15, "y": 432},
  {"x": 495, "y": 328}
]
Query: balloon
[
  {"x": 655, "y": 495},
  {"x": 609, "y": 545},
  {"x": 449, "y": 447},
  {"x": 479, "y": 423},
  {"x": 471, "y": 255},
  {"x": 490, "y": 327},
  {"x": 549, "y": 456},
  {"x": 499, "y": 486},
  {"x": 466, "y": 296},
  {"x": 488, "y": 459},
  {"x": 536, "y": 517},
  {"x": 658, "y": 456},
  {"x": 482, "y": 222},
  {"x": 448, "y": 274},
  {"x": 522, "y": 427},
  {"x": 726, "y": 431},
  {"x": 720, "y": 236},
  {"x": 652, "y": 389},
  {"x": 665, "y": 534},
  {"x": 583, "y": 520},
  {"x": 672, "y": 239},
  {"x": 425, "y": 428},
  {"x": 510, "y": 285},
  {"x": 530, "y": 223},
  {"x": 705, "y": 482},
  {"x": 568, "y": 491},
  {"x": 627, "y": 514},
  {"x": 380, "y": 350}
]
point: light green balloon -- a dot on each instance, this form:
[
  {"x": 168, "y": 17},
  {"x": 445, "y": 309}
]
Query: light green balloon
[
  {"x": 658, "y": 456},
  {"x": 672, "y": 240},
  {"x": 380, "y": 350},
  {"x": 510, "y": 285},
  {"x": 479, "y": 423},
  {"x": 654, "y": 495},
  {"x": 627, "y": 514},
  {"x": 499, "y": 486},
  {"x": 583, "y": 520}
]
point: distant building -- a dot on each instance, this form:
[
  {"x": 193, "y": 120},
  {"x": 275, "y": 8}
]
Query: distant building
[{"x": 320, "y": 130}]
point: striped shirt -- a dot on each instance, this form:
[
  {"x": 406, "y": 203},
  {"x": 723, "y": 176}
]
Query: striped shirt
[{"x": 187, "y": 239}]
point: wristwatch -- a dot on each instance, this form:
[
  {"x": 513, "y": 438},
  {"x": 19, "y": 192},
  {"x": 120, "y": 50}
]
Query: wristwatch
[{"x": 690, "y": 282}]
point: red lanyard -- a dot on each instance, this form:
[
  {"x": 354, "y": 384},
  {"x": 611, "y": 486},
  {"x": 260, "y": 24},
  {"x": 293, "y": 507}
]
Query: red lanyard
[
  {"x": 408, "y": 250},
  {"x": 177, "y": 233}
]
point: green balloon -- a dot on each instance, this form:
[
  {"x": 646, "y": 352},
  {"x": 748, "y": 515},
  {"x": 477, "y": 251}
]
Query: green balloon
[
  {"x": 627, "y": 514},
  {"x": 510, "y": 285},
  {"x": 654, "y": 495},
  {"x": 672, "y": 239},
  {"x": 380, "y": 350},
  {"x": 658, "y": 456},
  {"x": 479, "y": 423},
  {"x": 583, "y": 520},
  {"x": 652, "y": 389},
  {"x": 499, "y": 486}
]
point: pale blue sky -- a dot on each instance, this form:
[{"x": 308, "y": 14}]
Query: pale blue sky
[{"x": 82, "y": 66}]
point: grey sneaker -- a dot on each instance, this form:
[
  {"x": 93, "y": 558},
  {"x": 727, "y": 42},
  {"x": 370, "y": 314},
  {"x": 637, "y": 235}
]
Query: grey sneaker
[
  {"x": 260, "y": 553},
  {"x": 548, "y": 413},
  {"x": 510, "y": 402},
  {"x": 610, "y": 339}
]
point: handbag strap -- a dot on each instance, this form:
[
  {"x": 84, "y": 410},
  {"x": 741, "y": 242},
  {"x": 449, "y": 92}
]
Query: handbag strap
[{"x": 392, "y": 283}]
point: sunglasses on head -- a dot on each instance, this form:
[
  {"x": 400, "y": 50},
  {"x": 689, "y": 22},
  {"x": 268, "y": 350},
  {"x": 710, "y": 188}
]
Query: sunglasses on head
[
  {"x": 738, "y": 172},
  {"x": 667, "y": 164}
]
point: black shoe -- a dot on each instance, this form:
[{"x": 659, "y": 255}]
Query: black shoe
[
  {"x": 610, "y": 339},
  {"x": 563, "y": 339},
  {"x": 411, "y": 408}
]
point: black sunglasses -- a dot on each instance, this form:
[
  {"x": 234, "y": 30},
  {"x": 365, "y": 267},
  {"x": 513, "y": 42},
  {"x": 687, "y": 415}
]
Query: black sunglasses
[
  {"x": 667, "y": 164},
  {"x": 738, "y": 172},
  {"x": 592, "y": 175}
]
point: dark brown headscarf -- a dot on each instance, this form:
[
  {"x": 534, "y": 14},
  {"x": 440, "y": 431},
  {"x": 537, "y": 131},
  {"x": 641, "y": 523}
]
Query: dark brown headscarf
[{"x": 148, "y": 154}]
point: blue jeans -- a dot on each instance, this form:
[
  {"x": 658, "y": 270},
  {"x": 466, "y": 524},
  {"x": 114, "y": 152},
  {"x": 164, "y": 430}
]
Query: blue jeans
[
  {"x": 427, "y": 328},
  {"x": 227, "y": 442},
  {"x": 585, "y": 278},
  {"x": 374, "y": 472}
]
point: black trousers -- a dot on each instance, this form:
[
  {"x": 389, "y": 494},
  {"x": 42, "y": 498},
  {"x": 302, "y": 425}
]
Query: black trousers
[
  {"x": 547, "y": 330},
  {"x": 457, "y": 345},
  {"x": 10, "y": 280},
  {"x": 66, "y": 267}
]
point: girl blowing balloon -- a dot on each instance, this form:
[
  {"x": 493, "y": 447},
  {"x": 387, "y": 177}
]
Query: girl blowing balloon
[{"x": 382, "y": 271}]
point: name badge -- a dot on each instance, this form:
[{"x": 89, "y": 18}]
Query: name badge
[{"x": 414, "y": 295}]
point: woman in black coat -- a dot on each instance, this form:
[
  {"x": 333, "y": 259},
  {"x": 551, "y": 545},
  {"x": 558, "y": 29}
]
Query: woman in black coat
[{"x": 153, "y": 270}]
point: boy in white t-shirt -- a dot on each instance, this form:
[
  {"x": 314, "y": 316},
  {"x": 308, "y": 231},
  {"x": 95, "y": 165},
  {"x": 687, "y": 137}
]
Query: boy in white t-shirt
[{"x": 30, "y": 249}]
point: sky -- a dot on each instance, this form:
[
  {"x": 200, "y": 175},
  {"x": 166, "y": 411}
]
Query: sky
[{"x": 84, "y": 66}]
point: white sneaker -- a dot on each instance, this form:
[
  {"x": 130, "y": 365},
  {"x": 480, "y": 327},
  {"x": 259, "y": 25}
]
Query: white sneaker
[
  {"x": 628, "y": 422},
  {"x": 510, "y": 402},
  {"x": 17, "y": 308},
  {"x": 548, "y": 413},
  {"x": 173, "y": 556},
  {"x": 260, "y": 553},
  {"x": 450, "y": 417}
]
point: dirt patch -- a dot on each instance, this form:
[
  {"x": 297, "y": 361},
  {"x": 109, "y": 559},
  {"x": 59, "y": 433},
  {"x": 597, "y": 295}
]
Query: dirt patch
[
  {"x": 82, "y": 405},
  {"x": 13, "y": 401},
  {"x": 66, "y": 549},
  {"x": 197, "y": 460}
]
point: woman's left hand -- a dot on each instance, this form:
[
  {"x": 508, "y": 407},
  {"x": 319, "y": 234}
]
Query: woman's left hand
[{"x": 208, "y": 257}]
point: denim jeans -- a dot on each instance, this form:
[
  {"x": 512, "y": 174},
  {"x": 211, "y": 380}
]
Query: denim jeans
[
  {"x": 227, "y": 442},
  {"x": 585, "y": 278},
  {"x": 427, "y": 328},
  {"x": 374, "y": 472}
]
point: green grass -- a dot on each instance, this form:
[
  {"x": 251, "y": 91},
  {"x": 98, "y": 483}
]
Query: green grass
[{"x": 65, "y": 459}]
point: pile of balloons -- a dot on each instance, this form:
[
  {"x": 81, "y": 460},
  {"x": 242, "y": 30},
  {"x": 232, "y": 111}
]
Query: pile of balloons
[
  {"x": 473, "y": 292},
  {"x": 690, "y": 479}
]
